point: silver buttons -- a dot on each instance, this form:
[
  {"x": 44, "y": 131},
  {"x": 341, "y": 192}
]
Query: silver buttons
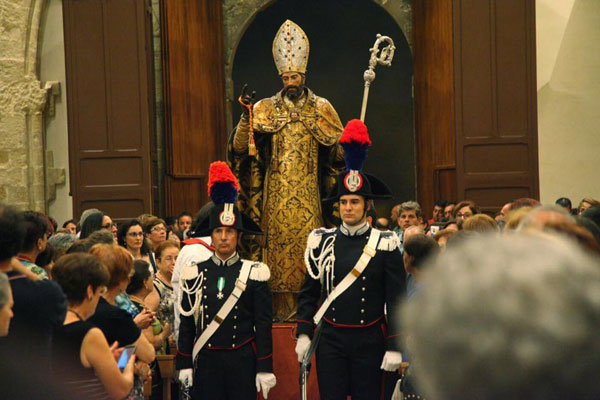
[
  {"x": 364, "y": 278},
  {"x": 233, "y": 337},
  {"x": 235, "y": 317},
  {"x": 363, "y": 289},
  {"x": 332, "y": 308},
  {"x": 235, "y": 327},
  {"x": 363, "y": 299},
  {"x": 362, "y": 321},
  {"x": 362, "y": 311},
  {"x": 334, "y": 320},
  {"x": 209, "y": 345},
  {"x": 232, "y": 345}
]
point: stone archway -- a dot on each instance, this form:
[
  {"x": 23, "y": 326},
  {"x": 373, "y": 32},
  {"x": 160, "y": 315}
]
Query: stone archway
[
  {"x": 335, "y": 71},
  {"x": 25, "y": 182},
  {"x": 238, "y": 15}
]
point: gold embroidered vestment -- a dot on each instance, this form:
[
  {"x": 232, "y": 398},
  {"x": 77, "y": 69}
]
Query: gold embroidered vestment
[{"x": 297, "y": 161}]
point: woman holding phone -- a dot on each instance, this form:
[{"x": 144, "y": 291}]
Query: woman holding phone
[
  {"x": 82, "y": 359},
  {"x": 116, "y": 324}
]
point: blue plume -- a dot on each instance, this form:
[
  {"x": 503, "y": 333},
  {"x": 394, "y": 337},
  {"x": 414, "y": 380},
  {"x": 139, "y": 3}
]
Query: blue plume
[
  {"x": 223, "y": 192},
  {"x": 355, "y": 155}
]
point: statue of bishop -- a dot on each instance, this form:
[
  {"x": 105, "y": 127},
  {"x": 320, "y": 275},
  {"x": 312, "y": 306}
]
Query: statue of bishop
[{"x": 286, "y": 155}]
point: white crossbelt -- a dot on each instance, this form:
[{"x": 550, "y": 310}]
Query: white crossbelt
[
  {"x": 240, "y": 287},
  {"x": 368, "y": 253}
]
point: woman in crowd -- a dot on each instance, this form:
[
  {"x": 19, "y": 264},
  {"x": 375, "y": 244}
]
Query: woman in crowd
[
  {"x": 138, "y": 289},
  {"x": 156, "y": 233},
  {"x": 116, "y": 324},
  {"x": 36, "y": 240},
  {"x": 109, "y": 225},
  {"x": 162, "y": 299},
  {"x": 140, "y": 286},
  {"x": 6, "y": 305},
  {"x": 91, "y": 224},
  {"x": 61, "y": 242},
  {"x": 82, "y": 358},
  {"x": 131, "y": 236},
  {"x": 464, "y": 210}
]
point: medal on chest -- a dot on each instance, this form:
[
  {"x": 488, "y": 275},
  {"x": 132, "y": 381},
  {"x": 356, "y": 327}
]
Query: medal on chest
[{"x": 220, "y": 287}]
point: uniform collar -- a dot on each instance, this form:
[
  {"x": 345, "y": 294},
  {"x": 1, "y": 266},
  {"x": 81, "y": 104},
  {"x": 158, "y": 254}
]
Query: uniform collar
[
  {"x": 230, "y": 261},
  {"x": 354, "y": 230}
]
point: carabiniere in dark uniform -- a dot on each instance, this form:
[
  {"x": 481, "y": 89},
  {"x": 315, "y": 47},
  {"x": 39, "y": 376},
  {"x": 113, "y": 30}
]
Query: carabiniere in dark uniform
[
  {"x": 360, "y": 327},
  {"x": 243, "y": 344},
  {"x": 225, "y": 341}
]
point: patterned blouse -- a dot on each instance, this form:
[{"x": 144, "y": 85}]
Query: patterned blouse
[
  {"x": 36, "y": 269},
  {"x": 166, "y": 310}
]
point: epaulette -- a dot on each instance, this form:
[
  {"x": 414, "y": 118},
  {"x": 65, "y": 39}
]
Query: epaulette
[
  {"x": 260, "y": 272},
  {"x": 189, "y": 271},
  {"x": 314, "y": 238},
  {"x": 388, "y": 241}
]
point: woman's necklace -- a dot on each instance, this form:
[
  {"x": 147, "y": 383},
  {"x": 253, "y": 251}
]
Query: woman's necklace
[{"x": 76, "y": 313}]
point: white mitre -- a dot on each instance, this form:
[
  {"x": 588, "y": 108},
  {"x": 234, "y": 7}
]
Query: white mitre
[{"x": 290, "y": 48}]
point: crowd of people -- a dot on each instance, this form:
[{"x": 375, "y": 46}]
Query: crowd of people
[
  {"x": 72, "y": 299},
  {"x": 493, "y": 306}
]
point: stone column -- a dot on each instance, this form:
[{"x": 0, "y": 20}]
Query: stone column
[{"x": 22, "y": 101}]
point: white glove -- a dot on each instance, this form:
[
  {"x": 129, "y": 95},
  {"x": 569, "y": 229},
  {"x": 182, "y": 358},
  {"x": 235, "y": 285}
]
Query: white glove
[
  {"x": 302, "y": 346},
  {"x": 397, "y": 394},
  {"x": 186, "y": 377},
  {"x": 265, "y": 382},
  {"x": 391, "y": 361}
]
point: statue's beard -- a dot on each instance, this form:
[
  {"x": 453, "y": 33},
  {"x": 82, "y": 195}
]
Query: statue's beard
[{"x": 293, "y": 92}]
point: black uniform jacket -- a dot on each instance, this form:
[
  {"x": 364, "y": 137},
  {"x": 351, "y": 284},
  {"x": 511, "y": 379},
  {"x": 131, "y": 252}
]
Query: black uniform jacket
[
  {"x": 382, "y": 283},
  {"x": 248, "y": 323}
]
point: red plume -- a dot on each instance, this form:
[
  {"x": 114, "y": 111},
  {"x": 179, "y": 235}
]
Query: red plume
[
  {"x": 356, "y": 131},
  {"x": 219, "y": 172}
]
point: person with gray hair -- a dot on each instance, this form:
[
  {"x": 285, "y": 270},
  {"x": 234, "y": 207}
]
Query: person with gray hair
[
  {"x": 516, "y": 321},
  {"x": 61, "y": 242},
  {"x": 6, "y": 304},
  {"x": 408, "y": 215}
]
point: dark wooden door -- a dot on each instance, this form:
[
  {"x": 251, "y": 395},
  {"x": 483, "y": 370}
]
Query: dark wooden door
[
  {"x": 496, "y": 101},
  {"x": 109, "y": 97},
  {"x": 475, "y": 101},
  {"x": 194, "y": 93}
]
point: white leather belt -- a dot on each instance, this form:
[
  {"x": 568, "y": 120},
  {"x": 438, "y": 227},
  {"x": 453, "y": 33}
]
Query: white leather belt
[{"x": 240, "y": 287}]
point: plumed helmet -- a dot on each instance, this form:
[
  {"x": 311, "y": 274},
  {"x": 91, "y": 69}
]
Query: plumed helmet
[{"x": 223, "y": 190}]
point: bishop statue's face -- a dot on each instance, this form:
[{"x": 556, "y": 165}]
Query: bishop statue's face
[{"x": 293, "y": 84}]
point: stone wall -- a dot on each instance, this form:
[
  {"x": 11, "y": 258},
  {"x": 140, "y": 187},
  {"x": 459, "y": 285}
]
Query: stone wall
[{"x": 23, "y": 177}]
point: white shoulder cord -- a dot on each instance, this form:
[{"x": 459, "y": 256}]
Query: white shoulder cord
[
  {"x": 324, "y": 262},
  {"x": 195, "y": 289}
]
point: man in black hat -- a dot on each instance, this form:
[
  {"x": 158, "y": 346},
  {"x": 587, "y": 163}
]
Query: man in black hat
[
  {"x": 226, "y": 307},
  {"x": 357, "y": 272}
]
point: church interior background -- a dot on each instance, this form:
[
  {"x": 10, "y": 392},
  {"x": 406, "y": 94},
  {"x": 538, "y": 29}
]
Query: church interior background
[{"x": 36, "y": 167}]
